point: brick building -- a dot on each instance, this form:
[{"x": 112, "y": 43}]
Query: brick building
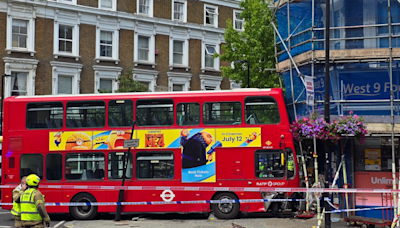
[{"x": 81, "y": 46}]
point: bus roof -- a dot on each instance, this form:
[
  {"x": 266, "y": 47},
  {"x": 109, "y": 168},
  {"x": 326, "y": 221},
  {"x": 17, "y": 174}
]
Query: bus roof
[{"x": 140, "y": 94}]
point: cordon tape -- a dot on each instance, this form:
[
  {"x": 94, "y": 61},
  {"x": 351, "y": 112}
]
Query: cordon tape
[{"x": 237, "y": 189}]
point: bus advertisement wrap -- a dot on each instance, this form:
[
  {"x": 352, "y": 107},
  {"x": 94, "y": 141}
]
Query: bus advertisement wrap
[
  {"x": 198, "y": 145},
  {"x": 103, "y": 140}
]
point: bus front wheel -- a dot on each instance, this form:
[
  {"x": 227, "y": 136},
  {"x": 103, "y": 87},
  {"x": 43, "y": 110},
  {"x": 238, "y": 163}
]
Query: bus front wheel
[
  {"x": 83, "y": 212},
  {"x": 225, "y": 210}
]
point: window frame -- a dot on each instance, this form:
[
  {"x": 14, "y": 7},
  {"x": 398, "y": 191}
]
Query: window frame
[
  {"x": 205, "y": 53},
  {"x": 85, "y": 153},
  {"x": 115, "y": 45},
  {"x": 66, "y": 69},
  {"x": 30, "y": 40},
  {"x": 113, "y": 5},
  {"x": 215, "y": 15},
  {"x": 137, "y": 166},
  {"x": 184, "y": 13},
  {"x": 212, "y": 102},
  {"x": 109, "y": 116},
  {"x": 130, "y": 156},
  {"x": 155, "y": 100},
  {"x": 75, "y": 40},
  {"x": 20, "y": 164},
  {"x": 256, "y": 163},
  {"x": 150, "y": 9},
  {"x": 27, "y": 116},
  {"x": 45, "y": 165},
  {"x": 260, "y": 97},
  {"x": 151, "y": 39},
  {"x": 185, "y": 53},
  {"x": 73, "y": 2},
  {"x": 236, "y": 19},
  {"x": 85, "y": 101},
  {"x": 109, "y": 73},
  {"x": 200, "y": 113}
]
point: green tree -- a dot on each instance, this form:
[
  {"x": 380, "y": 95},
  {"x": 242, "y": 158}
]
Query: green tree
[
  {"x": 255, "y": 44},
  {"x": 127, "y": 84}
]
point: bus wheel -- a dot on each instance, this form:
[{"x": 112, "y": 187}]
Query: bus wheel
[
  {"x": 225, "y": 210},
  {"x": 83, "y": 212}
]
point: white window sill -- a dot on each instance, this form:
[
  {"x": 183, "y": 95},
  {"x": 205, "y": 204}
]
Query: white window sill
[
  {"x": 144, "y": 15},
  {"x": 105, "y": 59},
  {"x": 66, "y": 55},
  {"x": 108, "y": 9},
  {"x": 9, "y": 51},
  {"x": 153, "y": 65},
  {"x": 212, "y": 26},
  {"x": 179, "y": 21},
  {"x": 210, "y": 69},
  {"x": 179, "y": 67}
]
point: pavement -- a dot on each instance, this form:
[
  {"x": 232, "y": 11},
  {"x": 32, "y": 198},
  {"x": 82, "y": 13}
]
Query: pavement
[{"x": 211, "y": 222}]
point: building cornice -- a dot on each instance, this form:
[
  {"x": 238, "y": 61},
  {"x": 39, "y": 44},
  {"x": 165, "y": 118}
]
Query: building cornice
[{"x": 43, "y": 10}]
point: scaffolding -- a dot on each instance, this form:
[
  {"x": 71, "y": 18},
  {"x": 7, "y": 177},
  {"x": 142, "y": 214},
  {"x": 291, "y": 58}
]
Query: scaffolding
[{"x": 364, "y": 58}]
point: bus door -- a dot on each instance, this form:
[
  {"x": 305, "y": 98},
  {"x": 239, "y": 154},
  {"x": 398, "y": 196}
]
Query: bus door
[
  {"x": 53, "y": 176},
  {"x": 156, "y": 168},
  {"x": 271, "y": 167}
]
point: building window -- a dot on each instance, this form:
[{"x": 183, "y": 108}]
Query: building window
[
  {"x": 106, "y": 44},
  {"x": 22, "y": 80},
  {"x": 108, "y": 4},
  {"x": 179, "y": 11},
  {"x": 209, "y": 82},
  {"x": 238, "y": 20},
  {"x": 211, "y": 15},
  {"x": 106, "y": 78},
  {"x": 177, "y": 87},
  {"x": 143, "y": 48},
  {"x": 66, "y": 77},
  {"x": 179, "y": 81},
  {"x": 178, "y": 52},
  {"x": 19, "y": 83},
  {"x": 147, "y": 77},
  {"x": 65, "y": 38},
  {"x": 66, "y": 35},
  {"x": 64, "y": 84},
  {"x": 107, "y": 40},
  {"x": 19, "y": 33},
  {"x": 209, "y": 59},
  {"x": 145, "y": 7}
]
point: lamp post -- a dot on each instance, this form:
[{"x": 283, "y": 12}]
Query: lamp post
[
  {"x": 248, "y": 70},
  {"x": 2, "y": 101}
]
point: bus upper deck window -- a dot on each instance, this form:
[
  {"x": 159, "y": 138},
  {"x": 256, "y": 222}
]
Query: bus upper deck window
[
  {"x": 188, "y": 114},
  {"x": 81, "y": 114},
  {"x": 261, "y": 110},
  {"x": 120, "y": 113},
  {"x": 44, "y": 115},
  {"x": 222, "y": 113},
  {"x": 156, "y": 112}
]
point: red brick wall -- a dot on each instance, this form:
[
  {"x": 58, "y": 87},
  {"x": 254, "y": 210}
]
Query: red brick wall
[
  {"x": 128, "y": 6},
  {"x": 163, "y": 9},
  {"x": 44, "y": 53},
  {"x": 162, "y": 59},
  {"x": 126, "y": 49},
  {"x": 87, "y": 49},
  {"x": 195, "y": 63}
]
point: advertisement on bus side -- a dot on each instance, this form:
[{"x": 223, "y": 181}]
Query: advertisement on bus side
[{"x": 198, "y": 145}]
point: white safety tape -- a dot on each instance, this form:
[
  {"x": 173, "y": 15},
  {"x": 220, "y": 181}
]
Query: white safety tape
[
  {"x": 237, "y": 189},
  {"x": 172, "y": 202}
]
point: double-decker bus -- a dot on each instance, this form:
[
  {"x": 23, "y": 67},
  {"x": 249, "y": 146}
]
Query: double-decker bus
[{"x": 237, "y": 138}]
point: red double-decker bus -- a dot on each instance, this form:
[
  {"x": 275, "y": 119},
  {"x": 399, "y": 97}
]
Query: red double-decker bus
[{"x": 236, "y": 138}]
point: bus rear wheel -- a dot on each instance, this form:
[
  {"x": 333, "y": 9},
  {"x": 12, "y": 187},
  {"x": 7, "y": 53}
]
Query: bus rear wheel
[
  {"x": 225, "y": 210},
  {"x": 83, "y": 212}
]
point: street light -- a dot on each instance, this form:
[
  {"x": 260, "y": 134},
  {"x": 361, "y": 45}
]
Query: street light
[
  {"x": 248, "y": 70},
  {"x": 2, "y": 101}
]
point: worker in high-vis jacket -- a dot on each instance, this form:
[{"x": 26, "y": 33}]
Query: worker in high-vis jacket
[
  {"x": 33, "y": 209},
  {"x": 16, "y": 210}
]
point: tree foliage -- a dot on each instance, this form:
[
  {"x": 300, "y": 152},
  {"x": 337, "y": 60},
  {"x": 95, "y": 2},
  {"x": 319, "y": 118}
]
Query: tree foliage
[
  {"x": 127, "y": 84},
  {"x": 255, "y": 44}
]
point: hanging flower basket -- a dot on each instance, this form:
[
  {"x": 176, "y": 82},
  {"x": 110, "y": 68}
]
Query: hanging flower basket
[{"x": 314, "y": 126}]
